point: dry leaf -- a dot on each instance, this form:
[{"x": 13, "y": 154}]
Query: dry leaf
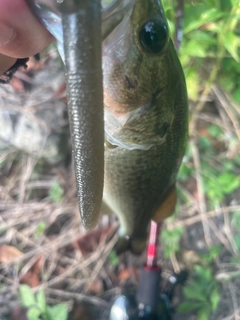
[
  {"x": 81, "y": 311},
  {"x": 32, "y": 277},
  {"x": 89, "y": 242},
  {"x": 190, "y": 259},
  {"x": 19, "y": 314},
  {"x": 96, "y": 287},
  {"x": 8, "y": 253},
  {"x": 127, "y": 273}
]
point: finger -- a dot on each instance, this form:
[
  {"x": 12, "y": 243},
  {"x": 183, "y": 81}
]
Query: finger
[
  {"x": 21, "y": 34},
  {"x": 5, "y": 63}
]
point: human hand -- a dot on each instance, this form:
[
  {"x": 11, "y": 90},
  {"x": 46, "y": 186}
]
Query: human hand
[{"x": 21, "y": 34}]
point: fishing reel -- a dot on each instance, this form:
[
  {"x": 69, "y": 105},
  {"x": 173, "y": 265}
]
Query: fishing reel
[{"x": 150, "y": 302}]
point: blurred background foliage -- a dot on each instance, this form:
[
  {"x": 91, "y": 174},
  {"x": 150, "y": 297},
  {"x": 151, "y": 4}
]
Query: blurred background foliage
[
  {"x": 210, "y": 173},
  {"x": 210, "y": 44}
]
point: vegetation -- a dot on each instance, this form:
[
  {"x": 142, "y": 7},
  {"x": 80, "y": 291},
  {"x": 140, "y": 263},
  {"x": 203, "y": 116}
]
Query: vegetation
[
  {"x": 38, "y": 308},
  {"x": 209, "y": 177}
]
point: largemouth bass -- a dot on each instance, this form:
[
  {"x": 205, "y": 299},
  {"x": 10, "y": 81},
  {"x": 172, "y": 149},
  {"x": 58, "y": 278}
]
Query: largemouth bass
[
  {"x": 145, "y": 118},
  {"x": 146, "y": 121}
]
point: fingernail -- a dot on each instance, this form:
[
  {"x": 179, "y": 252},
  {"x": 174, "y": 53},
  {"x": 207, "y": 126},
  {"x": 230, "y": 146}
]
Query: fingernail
[{"x": 7, "y": 34}]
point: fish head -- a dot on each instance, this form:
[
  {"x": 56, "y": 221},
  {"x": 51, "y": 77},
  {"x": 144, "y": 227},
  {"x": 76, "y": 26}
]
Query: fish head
[{"x": 140, "y": 71}]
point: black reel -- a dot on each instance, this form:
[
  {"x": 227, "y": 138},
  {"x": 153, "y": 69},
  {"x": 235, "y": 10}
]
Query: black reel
[{"x": 148, "y": 302}]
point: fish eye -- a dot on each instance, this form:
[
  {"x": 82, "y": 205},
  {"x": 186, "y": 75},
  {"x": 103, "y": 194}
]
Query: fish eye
[{"x": 153, "y": 36}]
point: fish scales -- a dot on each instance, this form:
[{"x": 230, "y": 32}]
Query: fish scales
[{"x": 143, "y": 148}]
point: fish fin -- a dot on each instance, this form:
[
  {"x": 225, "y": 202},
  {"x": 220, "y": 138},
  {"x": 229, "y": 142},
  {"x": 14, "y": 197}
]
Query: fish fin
[
  {"x": 166, "y": 207},
  {"x": 134, "y": 244}
]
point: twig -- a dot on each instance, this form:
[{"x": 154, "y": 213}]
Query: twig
[
  {"x": 101, "y": 262},
  {"x": 228, "y": 232},
  {"x": 179, "y": 24},
  {"x": 196, "y": 219},
  {"x": 78, "y": 296},
  {"x": 234, "y": 300},
  {"x": 226, "y": 104},
  {"x": 175, "y": 263},
  {"x": 201, "y": 202}
]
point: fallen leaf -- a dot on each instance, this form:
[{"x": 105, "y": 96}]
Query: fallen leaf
[
  {"x": 31, "y": 279},
  {"x": 32, "y": 276},
  {"x": 81, "y": 311},
  {"x": 38, "y": 265},
  {"x": 89, "y": 242},
  {"x": 96, "y": 287},
  {"x": 19, "y": 314},
  {"x": 190, "y": 258},
  {"x": 8, "y": 253},
  {"x": 127, "y": 273}
]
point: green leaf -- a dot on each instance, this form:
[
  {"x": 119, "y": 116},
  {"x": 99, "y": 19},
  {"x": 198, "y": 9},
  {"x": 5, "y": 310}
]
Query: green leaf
[
  {"x": 33, "y": 313},
  {"x": 195, "y": 49},
  {"x": 171, "y": 239},
  {"x": 196, "y": 16},
  {"x": 41, "y": 301},
  {"x": 204, "y": 273},
  {"x": 236, "y": 220},
  {"x": 113, "y": 258},
  {"x": 56, "y": 192},
  {"x": 26, "y": 296},
  {"x": 212, "y": 254},
  {"x": 204, "y": 143},
  {"x": 59, "y": 312},
  {"x": 188, "y": 306},
  {"x": 41, "y": 227},
  {"x": 228, "y": 182},
  {"x": 236, "y": 95},
  {"x": 204, "y": 313},
  {"x": 231, "y": 43},
  {"x": 184, "y": 172},
  {"x": 215, "y": 298},
  {"x": 215, "y": 130},
  {"x": 194, "y": 292},
  {"x": 192, "y": 81},
  {"x": 237, "y": 241}
]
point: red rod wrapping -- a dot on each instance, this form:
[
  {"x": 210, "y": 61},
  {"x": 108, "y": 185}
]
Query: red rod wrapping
[{"x": 153, "y": 245}]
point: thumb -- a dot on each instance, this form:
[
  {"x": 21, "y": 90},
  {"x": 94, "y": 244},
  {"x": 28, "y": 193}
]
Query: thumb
[{"x": 21, "y": 34}]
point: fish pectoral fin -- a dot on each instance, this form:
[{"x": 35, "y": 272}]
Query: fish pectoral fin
[{"x": 166, "y": 207}]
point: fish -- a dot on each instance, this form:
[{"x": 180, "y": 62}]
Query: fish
[{"x": 146, "y": 122}]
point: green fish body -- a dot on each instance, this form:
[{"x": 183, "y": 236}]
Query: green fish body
[{"x": 146, "y": 121}]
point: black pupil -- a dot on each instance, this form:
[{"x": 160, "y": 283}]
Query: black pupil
[{"x": 153, "y": 36}]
